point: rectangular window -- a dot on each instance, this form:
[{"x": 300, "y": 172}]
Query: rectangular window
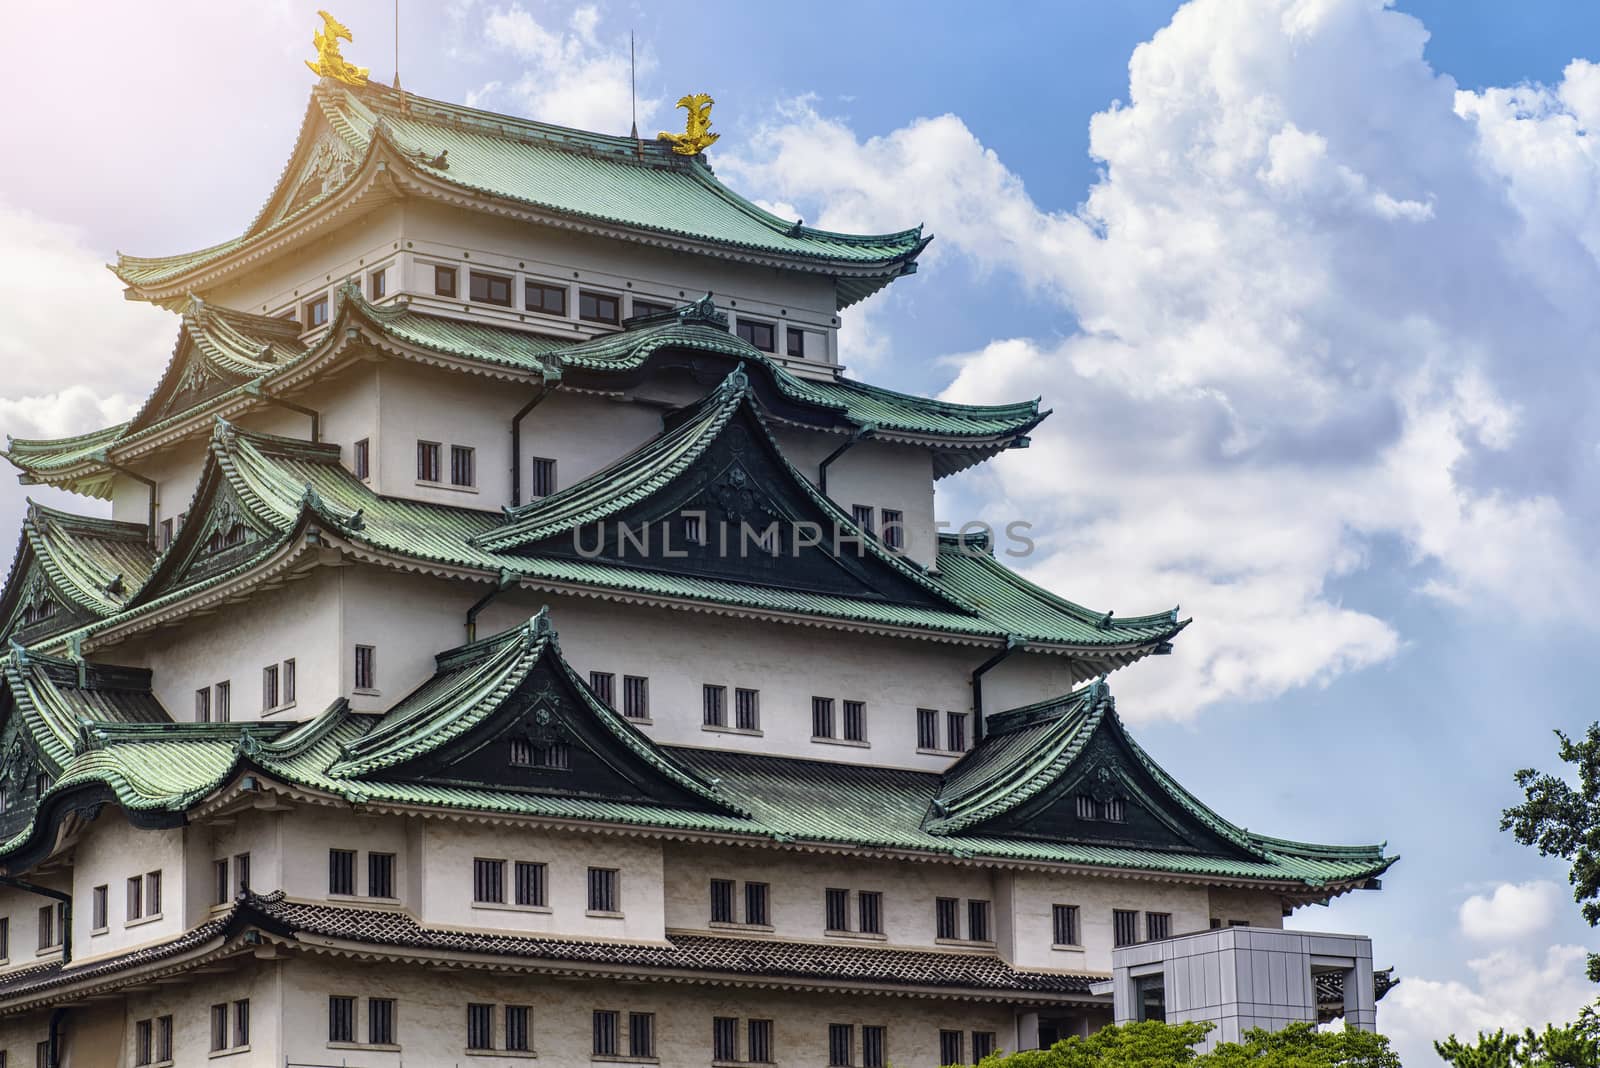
[
  {"x": 894, "y": 528},
  {"x": 641, "y": 1034},
  {"x": 489, "y": 881},
  {"x": 724, "y": 1038},
  {"x": 366, "y": 667},
  {"x": 41, "y": 1054},
  {"x": 5, "y": 937},
  {"x": 341, "y": 1018},
  {"x": 480, "y": 1026},
  {"x": 635, "y": 697},
  {"x": 861, "y": 515},
  {"x": 983, "y": 1044},
  {"x": 222, "y": 701},
  {"x": 152, "y": 894},
  {"x": 361, "y": 458},
  {"x": 1157, "y": 925},
  {"x": 722, "y": 901},
  {"x": 869, "y": 905},
  {"x": 978, "y": 921},
  {"x": 269, "y": 687},
  {"x": 855, "y": 721},
  {"x": 378, "y": 283},
  {"x": 135, "y": 898},
  {"x": 604, "y": 685},
  {"x": 1124, "y": 927},
  {"x": 796, "y": 343},
  {"x": 550, "y": 300},
  {"x": 489, "y": 288},
  {"x": 714, "y": 710},
  {"x": 822, "y": 717},
  {"x": 927, "y": 728},
  {"x": 102, "y": 896},
  {"x": 598, "y": 307},
  {"x": 758, "y": 334},
  {"x": 317, "y": 312},
  {"x": 841, "y": 1045},
  {"x": 874, "y": 1043},
  {"x": 518, "y": 1033},
  {"x": 288, "y": 682},
  {"x": 530, "y": 880},
  {"x": 603, "y": 890},
  {"x": 758, "y": 1046},
  {"x": 380, "y": 875},
  {"x": 444, "y": 281},
  {"x": 381, "y": 1020},
  {"x": 1090, "y": 808},
  {"x": 605, "y": 1033},
  {"x": 947, "y": 917},
  {"x": 541, "y": 478},
  {"x": 648, "y": 307},
  {"x": 1064, "y": 925},
  {"x": 950, "y": 1048},
  {"x": 202, "y": 705},
  {"x": 463, "y": 465},
  {"x": 163, "y": 1039},
  {"x": 955, "y": 731},
  {"x": 755, "y": 904},
  {"x": 143, "y": 1043},
  {"x": 241, "y": 1022},
  {"x": 428, "y": 461},
  {"x": 835, "y": 907},
  {"x": 166, "y": 535},
  {"x": 221, "y": 885},
  {"x": 694, "y": 530},
  {"x": 241, "y": 872},
  {"x": 747, "y": 709},
  {"x": 342, "y": 871},
  {"x": 219, "y": 1027}
]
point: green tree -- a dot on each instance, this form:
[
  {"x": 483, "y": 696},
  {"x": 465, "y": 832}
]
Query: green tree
[
  {"x": 1576, "y": 1045},
  {"x": 1162, "y": 1045}
]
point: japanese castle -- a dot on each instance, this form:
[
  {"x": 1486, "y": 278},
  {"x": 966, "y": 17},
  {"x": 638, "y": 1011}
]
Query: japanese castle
[{"x": 514, "y": 636}]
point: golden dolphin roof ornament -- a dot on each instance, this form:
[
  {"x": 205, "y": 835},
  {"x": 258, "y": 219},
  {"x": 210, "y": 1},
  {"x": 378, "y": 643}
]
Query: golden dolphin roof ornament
[
  {"x": 697, "y": 135},
  {"x": 330, "y": 64}
]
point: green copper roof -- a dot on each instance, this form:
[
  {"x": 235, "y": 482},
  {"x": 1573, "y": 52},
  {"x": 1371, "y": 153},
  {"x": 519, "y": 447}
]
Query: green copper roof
[
  {"x": 91, "y": 565},
  {"x": 630, "y": 189},
  {"x": 58, "y": 703}
]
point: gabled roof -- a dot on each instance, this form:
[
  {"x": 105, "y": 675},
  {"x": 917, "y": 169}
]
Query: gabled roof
[
  {"x": 87, "y": 567},
  {"x": 380, "y": 143},
  {"x": 59, "y": 699}
]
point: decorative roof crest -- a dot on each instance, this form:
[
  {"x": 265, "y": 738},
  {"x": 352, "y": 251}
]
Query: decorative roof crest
[
  {"x": 703, "y": 310},
  {"x": 697, "y": 135},
  {"x": 330, "y": 63}
]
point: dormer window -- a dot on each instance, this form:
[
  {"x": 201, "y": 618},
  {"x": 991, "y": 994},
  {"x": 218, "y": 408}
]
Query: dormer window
[
  {"x": 760, "y": 335},
  {"x": 38, "y": 610},
  {"x": 491, "y": 289},
  {"x": 549, "y": 300},
  {"x": 553, "y": 756},
  {"x": 316, "y": 312},
  {"x": 1092, "y": 808},
  {"x": 599, "y": 307},
  {"x": 444, "y": 281}
]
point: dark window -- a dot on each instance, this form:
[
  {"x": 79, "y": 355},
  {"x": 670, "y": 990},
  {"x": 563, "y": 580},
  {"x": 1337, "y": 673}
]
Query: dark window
[
  {"x": 947, "y": 917},
  {"x": 152, "y": 894},
  {"x": 603, "y": 890},
  {"x": 605, "y": 1033},
  {"x": 5, "y": 937},
  {"x": 378, "y": 284},
  {"x": 241, "y": 871},
  {"x": 873, "y": 1041},
  {"x": 342, "y": 871},
  {"x": 758, "y": 1048},
  {"x": 542, "y": 478},
  {"x": 102, "y": 895},
  {"x": 648, "y": 307},
  {"x": 517, "y": 1036},
  {"x": 490, "y": 288},
  {"x": 983, "y": 1043},
  {"x": 694, "y": 532},
  {"x": 480, "y": 1026},
  {"x": 427, "y": 461},
  {"x": 1157, "y": 925},
  {"x": 869, "y": 905},
  {"x": 41, "y": 1054},
  {"x": 444, "y": 281},
  {"x": 641, "y": 1034},
  {"x": 760, "y": 335},
  {"x": 222, "y": 886},
  {"x": 1064, "y": 922},
  {"x": 927, "y": 728},
  {"x": 1149, "y": 998},
  {"x": 361, "y": 458},
  {"x": 841, "y": 1044},
  {"x": 1238, "y": 923},
  {"x": 47, "y": 926},
  {"x": 222, "y": 701},
  {"x": 714, "y": 706},
  {"x": 861, "y": 514},
  {"x": 747, "y": 709},
  {"x": 530, "y": 754},
  {"x": 978, "y": 921},
  {"x": 722, "y": 901},
  {"x": 724, "y": 1038},
  {"x": 955, "y": 727},
  {"x": 269, "y": 686},
  {"x": 489, "y": 881},
  {"x": 1111, "y": 811},
  {"x": 135, "y": 898},
  {"x": 822, "y": 717},
  {"x": 635, "y": 697},
  {"x": 855, "y": 721},
  {"x": 380, "y": 875},
  {"x": 37, "y": 612},
  {"x": 797, "y": 343},
  {"x": 163, "y": 1039},
  {"x": 241, "y": 1022},
  {"x": 380, "y": 1021},
  {"x": 950, "y": 1048},
  {"x": 604, "y": 685},
  {"x": 598, "y": 307},
  {"x": 894, "y": 528},
  {"x": 142, "y": 1044},
  {"x": 288, "y": 682},
  {"x": 366, "y": 667},
  {"x": 463, "y": 465},
  {"x": 1124, "y": 927},
  {"x": 538, "y": 297},
  {"x": 530, "y": 880},
  {"x": 317, "y": 312},
  {"x": 755, "y": 904},
  {"x": 835, "y": 906},
  {"x": 341, "y": 1018}
]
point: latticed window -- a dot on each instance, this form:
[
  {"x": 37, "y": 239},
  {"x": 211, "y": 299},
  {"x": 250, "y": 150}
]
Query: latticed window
[
  {"x": 604, "y": 685},
  {"x": 724, "y": 1038},
  {"x": 1090, "y": 808},
  {"x": 342, "y": 871},
  {"x": 341, "y": 1018},
  {"x": 603, "y": 890},
  {"x": 947, "y": 917},
  {"x": 894, "y": 533},
  {"x": 428, "y": 461},
  {"x": 641, "y": 1034},
  {"x": 835, "y": 905},
  {"x": 1124, "y": 927},
  {"x": 950, "y": 1048},
  {"x": 862, "y": 515},
  {"x": 366, "y": 667},
  {"x": 956, "y": 731},
  {"x": 380, "y": 875},
  {"x": 869, "y": 905},
  {"x": 983, "y": 1044},
  {"x": 722, "y": 901},
  {"x": 747, "y": 709},
  {"x": 541, "y": 477},
  {"x": 530, "y": 878},
  {"x": 755, "y": 904},
  {"x": 1064, "y": 925},
  {"x": 518, "y": 1033},
  {"x": 636, "y": 697},
  {"x": 530, "y": 754},
  {"x": 927, "y": 728},
  {"x": 1157, "y": 925},
  {"x": 463, "y": 465},
  {"x": 822, "y": 717},
  {"x": 874, "y": 1045},
  {"x": 841, "y": 1045},
  {"x": 758, "y": 1046},
  {"x": 480, "y": 1026},
  {"x": 380, "y": 1021},
  {"x": 143, "y": 1041},
  {"x": 855, "y": 721},
  {"x": 714, "y": 706},
  {"x": 978, "y": 921},
  {"x": 489, "y": 881},
  {"x": 605, "y": 1033}
]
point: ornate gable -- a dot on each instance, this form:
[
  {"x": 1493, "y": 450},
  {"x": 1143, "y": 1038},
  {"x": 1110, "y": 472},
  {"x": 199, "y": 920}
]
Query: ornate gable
[{"x": 24, "y": 776}]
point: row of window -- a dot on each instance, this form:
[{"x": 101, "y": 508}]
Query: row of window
[
  {"x": 342, "y": 874},
  {"x": 230, "y": 876},
  {"x": 463, "y": 464},
  {"x": 851, "y": 726},
  {"x": 886, "y": 524},
  {"x": 143, "y": 902},
  {"x": 957, "y": 739},
  {"x": 314, "y": 312}
]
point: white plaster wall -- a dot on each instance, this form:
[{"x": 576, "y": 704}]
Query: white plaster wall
[
  {"x": 22, "y": 908},
  {"x": 189, "y": 1005},
  {"x": 1031, "y": 895},
  {"x": 408, "y": 619},
  {"x": 583, "y": 433},
  {"x": 109, "y": 853},
  {"x": 875, "y": 473},
  {"x": 1258, "y": 908},
  {"x": 304, "y": 837},
  {"x": 19, "y": 1036}
]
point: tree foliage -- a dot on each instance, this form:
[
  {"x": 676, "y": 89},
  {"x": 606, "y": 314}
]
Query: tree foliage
[
  {"x": 1162, "y": 1045},
  {"x": 1577, "y": 1045}
]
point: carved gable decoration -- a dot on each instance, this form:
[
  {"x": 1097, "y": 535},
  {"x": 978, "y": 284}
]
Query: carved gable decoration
[
  {"x": 36, "y": 609},
  {"x": 223, "y": 535},
  {"x": 329, "y": 165},
  {"x": 23, "y": 777}
]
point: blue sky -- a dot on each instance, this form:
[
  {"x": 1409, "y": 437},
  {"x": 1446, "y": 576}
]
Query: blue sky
[{"x": 1315, "y": 326}]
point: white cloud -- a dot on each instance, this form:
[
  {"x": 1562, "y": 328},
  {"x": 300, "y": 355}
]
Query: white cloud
[
  {"x": 1323, "y": 302},
  {"x": 1512, "y": 911},
  {"x": 575, "y": 77}
]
